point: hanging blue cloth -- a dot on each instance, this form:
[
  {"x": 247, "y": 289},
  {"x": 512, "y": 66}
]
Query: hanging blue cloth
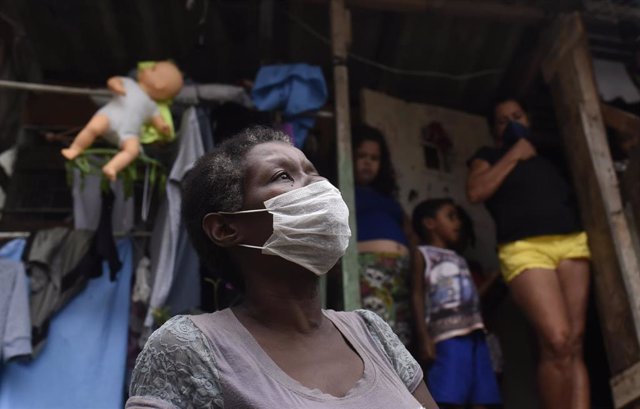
[
  {"x": 13, "y": 250},
  {"x": 83, "y": 363},
  {"x": 296, "y": 89}
]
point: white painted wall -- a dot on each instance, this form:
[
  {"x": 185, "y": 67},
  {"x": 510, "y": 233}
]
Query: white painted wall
[{"x": 401, "y": 123}]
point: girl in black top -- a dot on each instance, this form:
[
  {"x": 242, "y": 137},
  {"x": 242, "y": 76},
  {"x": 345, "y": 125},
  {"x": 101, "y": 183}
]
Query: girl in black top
[{"x": 542, "y": 248}]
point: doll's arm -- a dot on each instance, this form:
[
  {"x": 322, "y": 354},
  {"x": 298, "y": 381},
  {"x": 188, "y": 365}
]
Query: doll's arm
[
  {"x": 116, "y": 85},
  {"x": 160, "y": 124}
]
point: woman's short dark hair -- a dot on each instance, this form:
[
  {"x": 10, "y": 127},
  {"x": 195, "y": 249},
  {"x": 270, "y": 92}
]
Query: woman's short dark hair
[
  {"x": 427, "y": 210},
  {"x": 501, "y": 99},
  {"x": 385, "y": 181},
  {"x": 215, "y": 184}
]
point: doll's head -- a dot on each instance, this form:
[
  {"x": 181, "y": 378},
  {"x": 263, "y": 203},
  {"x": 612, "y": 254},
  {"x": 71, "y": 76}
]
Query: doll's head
[{"x": 161, "y": 80}]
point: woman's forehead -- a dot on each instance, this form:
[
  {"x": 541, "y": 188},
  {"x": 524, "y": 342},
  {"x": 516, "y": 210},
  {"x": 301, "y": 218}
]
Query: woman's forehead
[
  {"x": 506, "y": 107},
  {"x": 271, "y": 150},
  {"x": 369, "y": 145},
  {"x": 273, "y": 153}
]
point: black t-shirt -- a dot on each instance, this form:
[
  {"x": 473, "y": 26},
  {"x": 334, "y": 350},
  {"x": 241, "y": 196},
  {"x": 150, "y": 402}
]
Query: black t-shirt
[{"x": 535, "y": 199}]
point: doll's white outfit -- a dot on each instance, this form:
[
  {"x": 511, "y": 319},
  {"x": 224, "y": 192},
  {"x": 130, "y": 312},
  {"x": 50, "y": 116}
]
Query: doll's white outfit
[{"x": 127, "y": 113}]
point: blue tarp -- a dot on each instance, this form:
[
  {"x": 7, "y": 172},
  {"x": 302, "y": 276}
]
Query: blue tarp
[{"x": 83, "y": 363}]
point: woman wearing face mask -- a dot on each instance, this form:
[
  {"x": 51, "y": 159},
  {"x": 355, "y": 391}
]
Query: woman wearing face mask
[
  {"x": 542, "y": 247},
  {"x": 257, "y": 210},
  {"x": 383, "y": 229}
]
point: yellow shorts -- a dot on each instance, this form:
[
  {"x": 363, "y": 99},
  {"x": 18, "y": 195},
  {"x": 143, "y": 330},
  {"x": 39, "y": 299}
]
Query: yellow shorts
[{"x": 541, "y": 252}]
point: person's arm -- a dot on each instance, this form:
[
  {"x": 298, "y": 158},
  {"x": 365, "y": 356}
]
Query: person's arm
[
  {"x": 116, "y": 85},
  {"x": 158, "y": 122},
  {"x": 484, "y": 179},
  {"x": 423, "y": 396},
  {"x": 426, "y": 348}
]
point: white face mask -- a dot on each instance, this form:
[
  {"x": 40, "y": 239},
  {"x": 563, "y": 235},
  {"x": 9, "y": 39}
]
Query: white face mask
[{"x": 310, "y": 226}]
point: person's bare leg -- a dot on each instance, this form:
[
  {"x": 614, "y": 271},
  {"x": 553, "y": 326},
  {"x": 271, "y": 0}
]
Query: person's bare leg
[
  {"x": 97, "y": 126},
  {"x": 539, "y": 295},
  {"x": 574, "y": 281},
  {"x": 129, "y": 151}
]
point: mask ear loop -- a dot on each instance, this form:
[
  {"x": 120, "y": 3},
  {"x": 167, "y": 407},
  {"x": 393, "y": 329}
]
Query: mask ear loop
[
  {"x": 232, "y": 213},
  {"x": 240, "y": 212}
]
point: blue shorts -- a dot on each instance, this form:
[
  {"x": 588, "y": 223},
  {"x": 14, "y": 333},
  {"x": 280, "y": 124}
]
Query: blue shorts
[{"x": 462, "y": 372}]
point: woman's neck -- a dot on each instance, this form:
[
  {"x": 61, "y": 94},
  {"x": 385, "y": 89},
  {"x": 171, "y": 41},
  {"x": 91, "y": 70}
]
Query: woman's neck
[{"x": 284, "y": 302}]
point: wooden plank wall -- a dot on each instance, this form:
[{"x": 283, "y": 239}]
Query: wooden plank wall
[{"x": 568, "y": 70}]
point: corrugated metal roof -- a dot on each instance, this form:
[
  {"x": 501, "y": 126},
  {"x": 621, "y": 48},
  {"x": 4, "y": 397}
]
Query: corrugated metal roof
[{"x": 220, "y": 41}]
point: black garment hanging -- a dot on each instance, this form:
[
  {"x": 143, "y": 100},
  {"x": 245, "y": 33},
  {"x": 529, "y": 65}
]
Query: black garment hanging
[{"x": 104, "y": 246}]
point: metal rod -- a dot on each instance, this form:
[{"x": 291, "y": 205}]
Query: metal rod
[
  {"x": 24, "y": 234},
  {"x": 59, "y": 89}
]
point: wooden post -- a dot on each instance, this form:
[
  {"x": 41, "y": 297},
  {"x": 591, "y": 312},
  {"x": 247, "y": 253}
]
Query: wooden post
[
  {"x": 568, "y": 70},
  {"x": 631, "y": 186},
  {"x": 339, "y": 43}
]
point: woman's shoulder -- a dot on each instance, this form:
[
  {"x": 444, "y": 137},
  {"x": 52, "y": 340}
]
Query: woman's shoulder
[
  {"x": 177, "y": 330},
  {"x": 174, "y": 356},
  {"x": 178, "y": 341},
  {"x": 373, "y": 325},
  {"x": 390, "y": 345}
]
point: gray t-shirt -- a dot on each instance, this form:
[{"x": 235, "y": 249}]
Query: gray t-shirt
[{"x": 212, "y": 361}]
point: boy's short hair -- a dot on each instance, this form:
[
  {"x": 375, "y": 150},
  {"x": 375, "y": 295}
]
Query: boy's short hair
[{"x": 427, "y": 210}]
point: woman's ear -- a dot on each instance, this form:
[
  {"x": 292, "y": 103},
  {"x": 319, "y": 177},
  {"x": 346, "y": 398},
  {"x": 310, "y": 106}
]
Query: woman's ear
[{"x": 220, "y": 230}]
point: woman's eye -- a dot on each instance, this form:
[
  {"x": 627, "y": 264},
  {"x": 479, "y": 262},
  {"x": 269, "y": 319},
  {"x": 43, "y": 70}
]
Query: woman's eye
[{"x": 284, "y": 176}]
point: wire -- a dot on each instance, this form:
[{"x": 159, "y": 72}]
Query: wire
[{"x": 395, "y": 70}]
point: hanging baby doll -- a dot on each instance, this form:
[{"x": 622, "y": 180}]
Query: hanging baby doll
[{"x": 134, "y": 104}]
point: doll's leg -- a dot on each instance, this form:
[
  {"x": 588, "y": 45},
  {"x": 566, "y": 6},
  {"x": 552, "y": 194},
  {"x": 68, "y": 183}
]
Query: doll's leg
[
  {"x": 129, "y": 151},
  {"x": 97, "y": 126}
]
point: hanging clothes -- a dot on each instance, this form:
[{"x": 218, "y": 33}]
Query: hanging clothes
[
  {"x": 13, "y": 250},
  {"x": 296, "y": 89},
  {"x": 206, "y": 131},
  {"x": 61, "y": 261},
  {"x": 51, "y": 264},
  {"x": 87, "y": 204},
  {"x": 166, "y": 232},
  {"x": 15, "y": 324},
  {"x": 83, "y": 363}
]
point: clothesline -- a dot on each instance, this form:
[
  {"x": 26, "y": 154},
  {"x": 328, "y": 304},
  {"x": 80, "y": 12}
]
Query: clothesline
[
  {"x": 191, "y": 94},
  {"x": 4, "y": 235}
]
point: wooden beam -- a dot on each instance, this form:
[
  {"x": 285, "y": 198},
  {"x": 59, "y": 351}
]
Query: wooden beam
[
  {"x": 561, "y": 39},
  {"x": 617, "y": 282},
  {"x": 620, "y": 120},
  {"x": 462, "y": 8},
  {"x": 630, "y": 186},
  {"x": 625, "y": 386},
  {"x": 339, "y": 43}
]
